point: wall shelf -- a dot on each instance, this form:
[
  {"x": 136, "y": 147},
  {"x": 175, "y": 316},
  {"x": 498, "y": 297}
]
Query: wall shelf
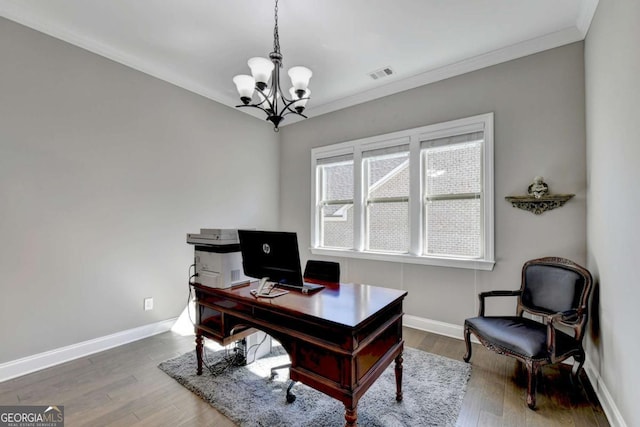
[{"x": 539, "y": 205}]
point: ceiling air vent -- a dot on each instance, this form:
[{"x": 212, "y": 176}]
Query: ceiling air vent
[{"x": 383, "y": 72}]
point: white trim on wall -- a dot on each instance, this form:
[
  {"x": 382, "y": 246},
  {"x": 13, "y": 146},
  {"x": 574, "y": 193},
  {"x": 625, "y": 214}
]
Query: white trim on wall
[
  {"x": 436, "y": 327},
  {"x": 611, "y": 411},
  {"x": 36, "y": 362},
  {"x": 528, "y": 47},
  {"x": 18, "y": 13},
  {"x": 585, "y": 15}
]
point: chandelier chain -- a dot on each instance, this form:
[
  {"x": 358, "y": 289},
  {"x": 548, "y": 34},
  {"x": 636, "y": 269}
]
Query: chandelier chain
[{"x": 276, "y": 37}]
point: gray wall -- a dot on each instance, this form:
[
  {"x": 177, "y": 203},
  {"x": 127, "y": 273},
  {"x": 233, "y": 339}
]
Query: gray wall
[
  {"x": 538, "y": 103},
  {"x": 103, "y": 171},
  {"x": 612, "y": 67}
]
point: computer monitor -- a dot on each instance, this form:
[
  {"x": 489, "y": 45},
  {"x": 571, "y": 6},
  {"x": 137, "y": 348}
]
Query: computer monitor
[{"x": 272, "y": 254}]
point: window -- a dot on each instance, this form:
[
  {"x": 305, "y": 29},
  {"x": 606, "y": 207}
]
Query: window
[
  {"x": 422, "y": 195},
  {"x": 386, "y": 180},
  {"x": 335, "y": 175},
  {"x": 453, "y": 196}
]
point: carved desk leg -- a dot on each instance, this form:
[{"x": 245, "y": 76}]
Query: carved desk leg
[
  {"x": 351, "y": 415},
  {"x": 399, "y": 361},
  {"x": 199, "y": 352}
]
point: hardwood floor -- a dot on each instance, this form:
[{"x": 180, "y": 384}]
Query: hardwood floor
[
  {"x": 496, "y": 391},
  {"x": 124, "y": 387}
]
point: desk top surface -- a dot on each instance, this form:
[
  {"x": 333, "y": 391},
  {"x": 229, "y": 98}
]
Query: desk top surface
[{"x": 347, "y": 304}]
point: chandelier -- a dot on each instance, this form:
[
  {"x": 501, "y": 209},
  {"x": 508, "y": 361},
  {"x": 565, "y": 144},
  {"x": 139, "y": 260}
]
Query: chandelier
[{"x": 270, "y": 98}]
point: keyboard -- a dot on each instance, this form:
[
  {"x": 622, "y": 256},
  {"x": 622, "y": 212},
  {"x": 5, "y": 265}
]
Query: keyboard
[{"x": 306, "y": 288}]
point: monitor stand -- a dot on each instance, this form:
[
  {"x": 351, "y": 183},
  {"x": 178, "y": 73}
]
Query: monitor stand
[{"x": 267, "y": 289}]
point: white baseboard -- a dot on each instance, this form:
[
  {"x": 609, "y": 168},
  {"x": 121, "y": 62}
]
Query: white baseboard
[
  {"x": 606, "y": 401},
  {"x": 436, "y": 327},
  {"x": 457, "y": 331},
  {"x": 29, "y": 364}
]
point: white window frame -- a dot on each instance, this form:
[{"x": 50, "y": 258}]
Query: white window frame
[
  {"x": 414, "y": 137},
  {"x": 322, "y": 202},
  {"x": 369, "y": 201}
]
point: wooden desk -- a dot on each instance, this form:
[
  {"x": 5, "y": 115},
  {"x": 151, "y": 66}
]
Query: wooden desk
[{"x": 340, "y": 339}]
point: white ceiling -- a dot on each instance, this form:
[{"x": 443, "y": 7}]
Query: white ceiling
[{"x": 201, "y": 44}]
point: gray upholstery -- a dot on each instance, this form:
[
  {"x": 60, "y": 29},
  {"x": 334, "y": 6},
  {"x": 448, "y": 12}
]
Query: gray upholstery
[
  {"x": 520, "y": 335},
  {"x": 551, "y": 289}
]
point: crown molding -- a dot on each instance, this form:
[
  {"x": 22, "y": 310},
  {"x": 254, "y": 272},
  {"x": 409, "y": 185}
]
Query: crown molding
[
  {"x": 21, "y": 14},
  {"x": 519, "y": 50},
  {"x": 585, "y": 16}
]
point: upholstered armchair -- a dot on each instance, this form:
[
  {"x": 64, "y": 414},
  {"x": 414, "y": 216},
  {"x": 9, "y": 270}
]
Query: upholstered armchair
[{"x": 554, "y": 290}]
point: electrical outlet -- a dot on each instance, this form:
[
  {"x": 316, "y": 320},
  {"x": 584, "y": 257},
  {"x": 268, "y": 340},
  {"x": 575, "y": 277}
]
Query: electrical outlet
[{"x": 148, "y": 304}]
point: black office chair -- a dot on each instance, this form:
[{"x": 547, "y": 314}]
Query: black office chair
[
  {"x": 557, "y": 291},
  {"x": 325, "y": 271}
]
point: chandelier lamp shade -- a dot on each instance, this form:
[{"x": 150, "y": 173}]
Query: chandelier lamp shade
[{"x": 262, "y": 88}]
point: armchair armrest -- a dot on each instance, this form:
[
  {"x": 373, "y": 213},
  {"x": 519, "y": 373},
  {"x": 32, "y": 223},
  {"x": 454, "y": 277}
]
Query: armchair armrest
[
  {"x": 569, "y": 316},
  {"x": 500, "y": 293},
  {"x": 565, "y": 316},
  {"x": 483, "y": 295}
]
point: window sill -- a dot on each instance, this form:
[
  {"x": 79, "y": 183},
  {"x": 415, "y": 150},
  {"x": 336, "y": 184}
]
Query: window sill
[{"x": 472, "y": 264}]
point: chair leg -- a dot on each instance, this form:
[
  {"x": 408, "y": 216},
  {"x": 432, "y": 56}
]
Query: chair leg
[
  {"x": 467, "y": 341},
  {"x": 532, "y": 369},
  {"x": 290, "y": 396},
  {"x": 578, "y": 361},
  {"x": 276, "y": 368}
]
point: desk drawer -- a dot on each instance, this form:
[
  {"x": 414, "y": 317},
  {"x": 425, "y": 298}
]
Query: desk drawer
[
  {"x": 209, "y": 318},
  {"x": 223, "y": 304},
  {"x": 369, "y": 355}
]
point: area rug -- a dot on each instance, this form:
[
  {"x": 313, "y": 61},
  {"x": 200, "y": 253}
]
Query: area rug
[{"x": 433, "y": 388}]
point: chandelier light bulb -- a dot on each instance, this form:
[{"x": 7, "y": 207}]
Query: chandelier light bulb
[
  {"x": 245, "y": 85},
  {"x": 261, "y": 69},
  {"x": 300, "y": 79}
]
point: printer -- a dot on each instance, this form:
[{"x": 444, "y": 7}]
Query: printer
[{"x": 217, "y": 257}]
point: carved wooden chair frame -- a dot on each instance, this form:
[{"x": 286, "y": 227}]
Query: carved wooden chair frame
[{"x": 576, "y": 319}]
